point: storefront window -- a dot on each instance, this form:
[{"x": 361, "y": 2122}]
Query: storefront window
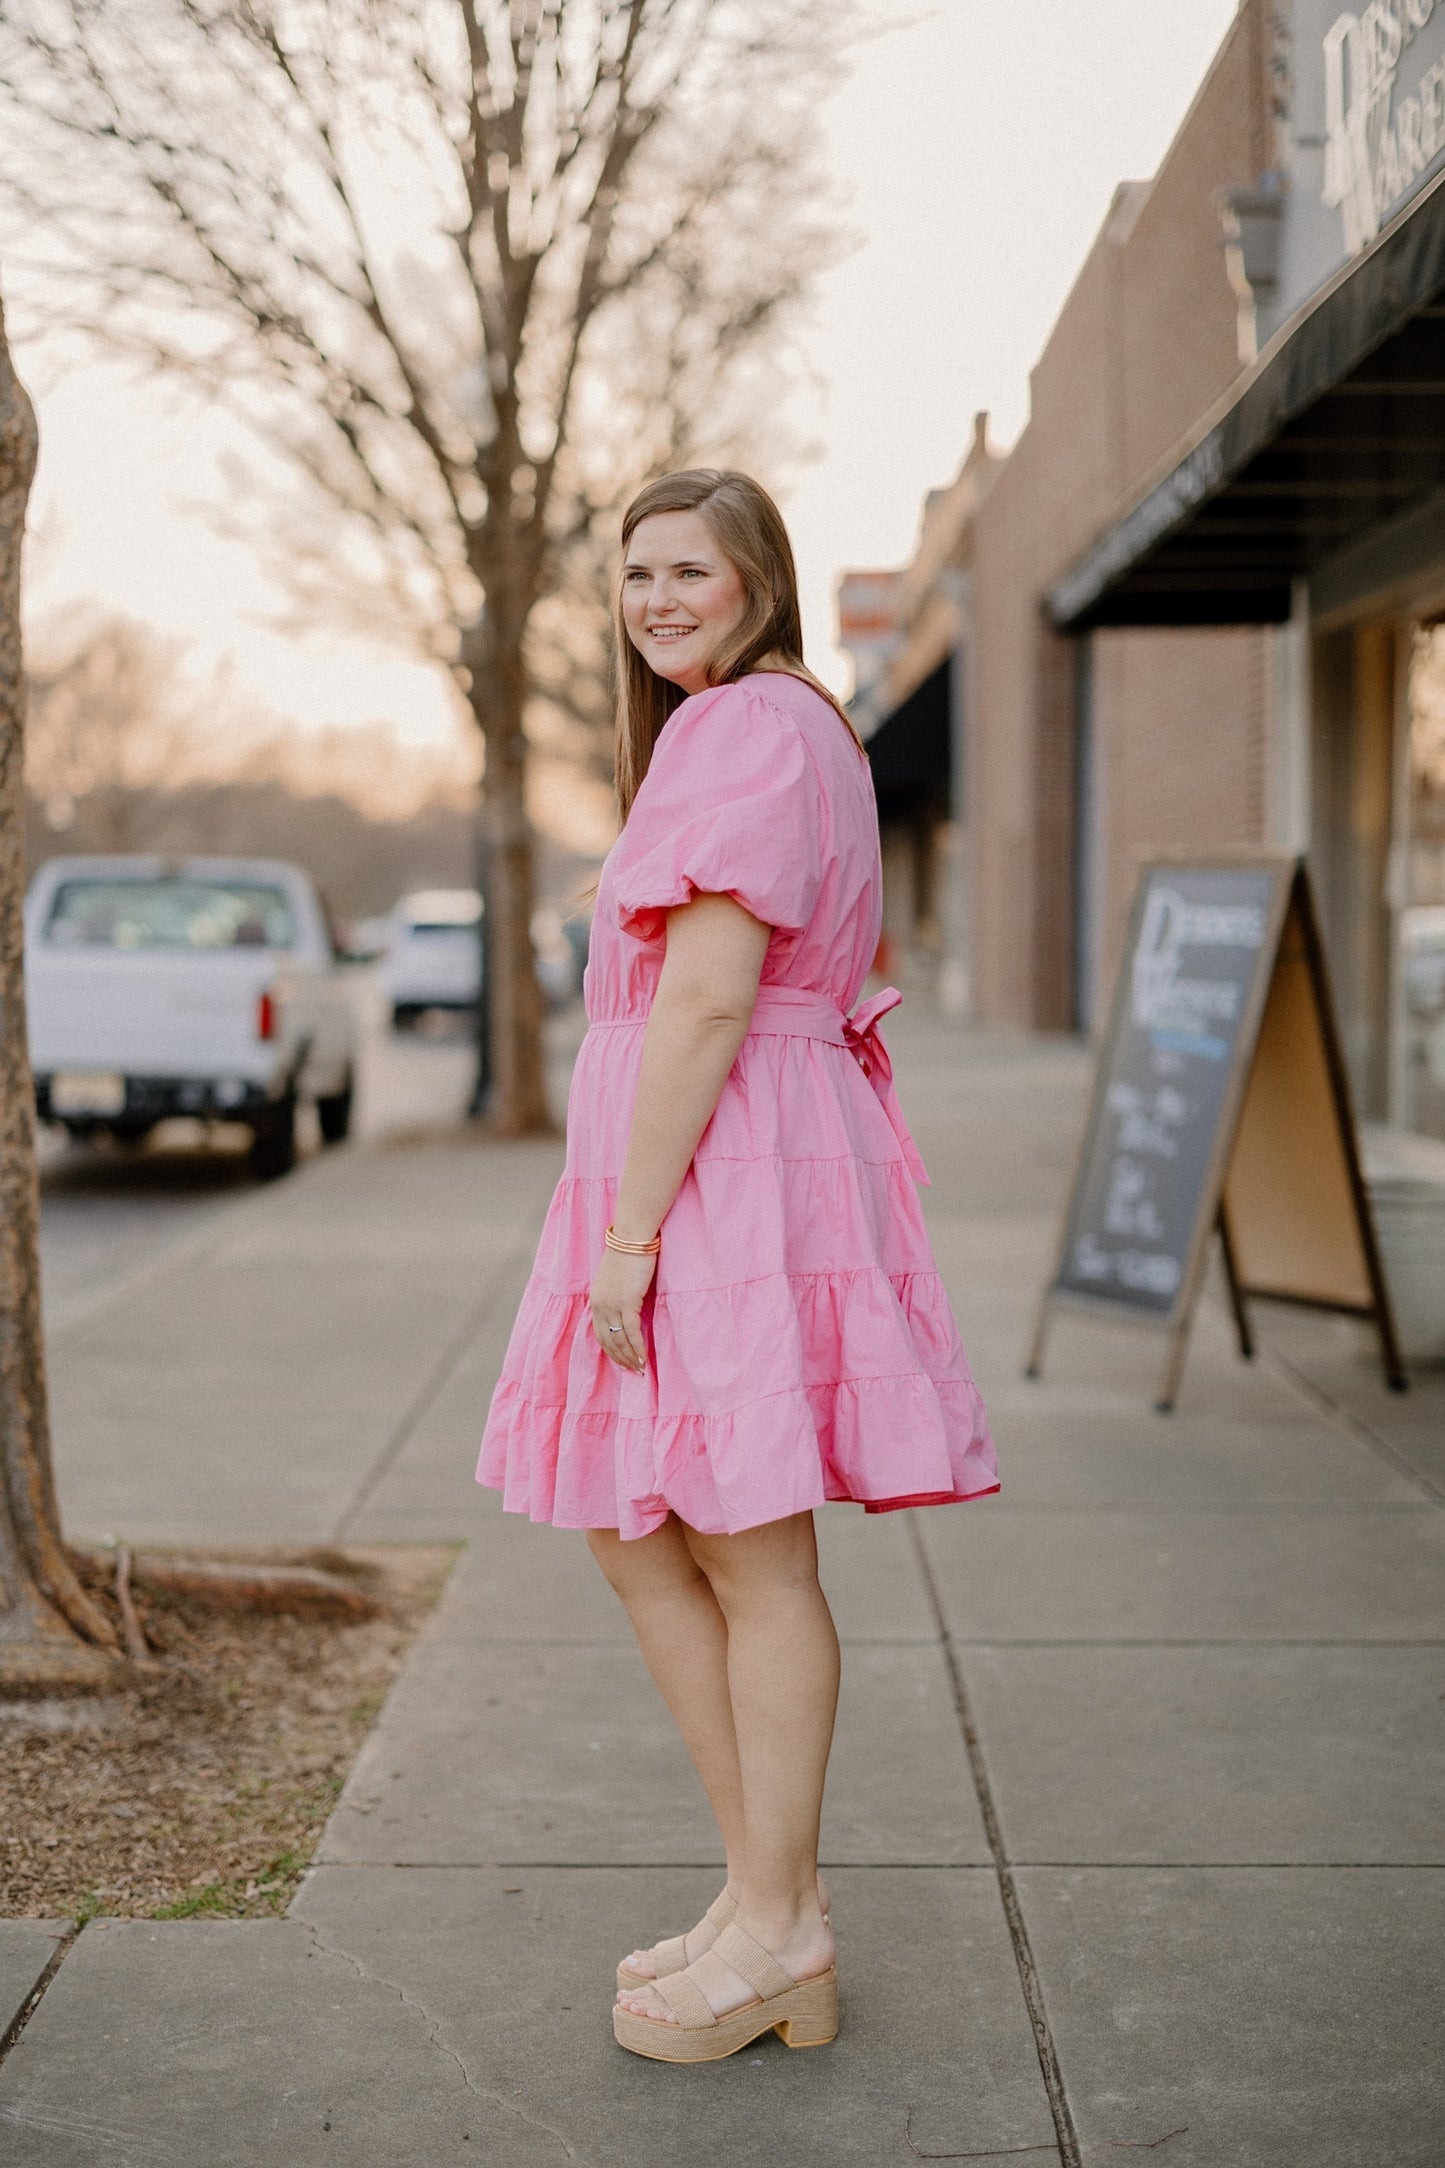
[{"x": 1422, "y": 923}]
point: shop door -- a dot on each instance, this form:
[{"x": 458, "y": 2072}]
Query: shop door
[
  {"x": 1353, "y": 766},
  {"x": 1420, "y": 964}
]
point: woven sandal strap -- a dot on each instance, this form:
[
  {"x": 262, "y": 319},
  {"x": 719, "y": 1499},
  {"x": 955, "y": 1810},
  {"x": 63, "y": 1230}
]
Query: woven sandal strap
[
  {"x": 722, "y": 1910},
  {"x": 669, "y": 1956},
  {"x": 751, "y": 1962},
  {"x": 686, "y": 2001}
]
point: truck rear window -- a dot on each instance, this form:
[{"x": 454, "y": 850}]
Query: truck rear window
[{"x": 170, "y": 913}]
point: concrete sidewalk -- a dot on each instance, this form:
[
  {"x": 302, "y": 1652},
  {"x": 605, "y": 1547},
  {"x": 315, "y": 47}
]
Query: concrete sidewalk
[{"x": 1134, "y": 1823}]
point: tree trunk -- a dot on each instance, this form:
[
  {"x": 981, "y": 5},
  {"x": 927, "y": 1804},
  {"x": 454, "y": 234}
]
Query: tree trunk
[
  {"x": 43, "y": 1608},
  {"x": 517, "y": 1100}
]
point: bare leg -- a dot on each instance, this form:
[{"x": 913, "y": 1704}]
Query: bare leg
[
  {"x": 782, "y": 1674},
  {"x": 684, "y": 1642}
]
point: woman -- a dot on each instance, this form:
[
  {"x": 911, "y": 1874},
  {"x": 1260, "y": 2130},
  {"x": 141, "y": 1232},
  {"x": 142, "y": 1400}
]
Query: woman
[{"x": 735, "y": 1312}]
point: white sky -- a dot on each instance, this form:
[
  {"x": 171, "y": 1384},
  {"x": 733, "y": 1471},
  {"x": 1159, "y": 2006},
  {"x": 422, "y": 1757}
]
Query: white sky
[{"x": 975, "y": 149}]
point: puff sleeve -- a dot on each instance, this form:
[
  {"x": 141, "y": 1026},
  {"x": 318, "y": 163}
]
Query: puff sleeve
[{"x": 731, "y": 806}]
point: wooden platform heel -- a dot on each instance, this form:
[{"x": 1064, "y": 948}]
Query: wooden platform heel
[{"x": 803, "y": 2012}]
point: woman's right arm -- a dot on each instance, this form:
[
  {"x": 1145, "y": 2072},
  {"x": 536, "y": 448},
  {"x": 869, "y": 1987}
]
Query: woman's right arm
[{"x": 699, "y": 1018}]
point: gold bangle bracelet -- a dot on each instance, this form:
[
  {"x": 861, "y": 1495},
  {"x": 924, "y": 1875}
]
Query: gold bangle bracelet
[{"x": 632, "y": 1249}]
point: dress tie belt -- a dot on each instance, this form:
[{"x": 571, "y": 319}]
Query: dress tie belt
[{"x": 793, "y": 1012}]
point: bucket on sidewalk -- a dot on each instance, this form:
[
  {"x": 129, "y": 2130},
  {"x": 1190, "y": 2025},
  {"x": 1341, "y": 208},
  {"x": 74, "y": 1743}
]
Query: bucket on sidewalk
[{"x": 1409, "y": 1214}]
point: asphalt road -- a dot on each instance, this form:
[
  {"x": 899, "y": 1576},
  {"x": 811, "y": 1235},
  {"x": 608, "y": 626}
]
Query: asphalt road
[{"x": 107, "y": 1212}]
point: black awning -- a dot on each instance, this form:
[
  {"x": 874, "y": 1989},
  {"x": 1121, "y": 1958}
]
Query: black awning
[
  {"x": 911, "y": 751},
  {"x": 1337, "y": 432}
]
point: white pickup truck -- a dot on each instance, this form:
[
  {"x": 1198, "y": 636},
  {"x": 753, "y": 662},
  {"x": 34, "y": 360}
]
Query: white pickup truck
[{"x": 197, "y": 986}]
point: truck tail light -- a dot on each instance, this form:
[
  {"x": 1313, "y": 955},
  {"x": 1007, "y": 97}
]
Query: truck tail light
[{"x": 266, "y": 1016}]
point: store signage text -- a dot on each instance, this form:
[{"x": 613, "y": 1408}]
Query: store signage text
[{"x": 1378, "y": 146}]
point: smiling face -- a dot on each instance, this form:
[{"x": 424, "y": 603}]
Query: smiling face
[{"x": 681, "y": 597}]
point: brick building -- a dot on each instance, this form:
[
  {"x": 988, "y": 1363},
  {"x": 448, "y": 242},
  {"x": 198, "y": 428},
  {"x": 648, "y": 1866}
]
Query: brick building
[{"x": 1196, "y": 605}]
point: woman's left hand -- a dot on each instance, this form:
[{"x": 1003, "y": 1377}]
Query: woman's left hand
[{"x": 618, "y": 1286}]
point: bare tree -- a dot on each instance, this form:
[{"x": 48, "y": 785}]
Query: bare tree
[
  {"x": 464, "y": 265},
  {"x": 111, "y": 719},
  {"x": 44, "y": 1612}
]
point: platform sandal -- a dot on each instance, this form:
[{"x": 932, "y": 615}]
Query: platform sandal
[
  {"x": 804, "y": 2012},
  {"x": 671, "y": 1956}
]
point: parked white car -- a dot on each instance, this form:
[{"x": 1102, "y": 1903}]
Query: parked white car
[
  {"x": 431, "y": 955},
  {"x": 197, "y": 986}
]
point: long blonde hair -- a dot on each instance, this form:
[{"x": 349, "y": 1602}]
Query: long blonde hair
[{"x": 748, "y": 528}]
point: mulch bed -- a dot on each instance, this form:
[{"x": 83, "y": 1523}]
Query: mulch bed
[{"x": 203, "y": 1786}]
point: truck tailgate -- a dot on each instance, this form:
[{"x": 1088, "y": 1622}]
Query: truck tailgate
[{"x": 145, "y": 1014}]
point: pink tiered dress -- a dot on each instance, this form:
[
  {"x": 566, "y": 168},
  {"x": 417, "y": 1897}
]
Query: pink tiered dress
[{"x": 802, "y": 1346}]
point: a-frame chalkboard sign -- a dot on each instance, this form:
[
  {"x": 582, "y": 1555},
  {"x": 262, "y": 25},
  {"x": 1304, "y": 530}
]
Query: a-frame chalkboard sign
[{"x": 1220, "y": 1101}]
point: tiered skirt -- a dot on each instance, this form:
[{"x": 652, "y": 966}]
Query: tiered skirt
[{"x": 802, "y": 1345}]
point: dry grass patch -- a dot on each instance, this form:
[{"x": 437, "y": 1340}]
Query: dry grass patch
[{"x": 204, "y": 1785}]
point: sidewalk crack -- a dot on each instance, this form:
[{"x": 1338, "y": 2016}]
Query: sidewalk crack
[
  {"x": 64, "y": 1944},
  {"x": 1349, "y": 1420},
  {"x": 508, "y": 2105},
  {"x": 434, "y": 1383},
  {"x": 1053, "y": 2077}
]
